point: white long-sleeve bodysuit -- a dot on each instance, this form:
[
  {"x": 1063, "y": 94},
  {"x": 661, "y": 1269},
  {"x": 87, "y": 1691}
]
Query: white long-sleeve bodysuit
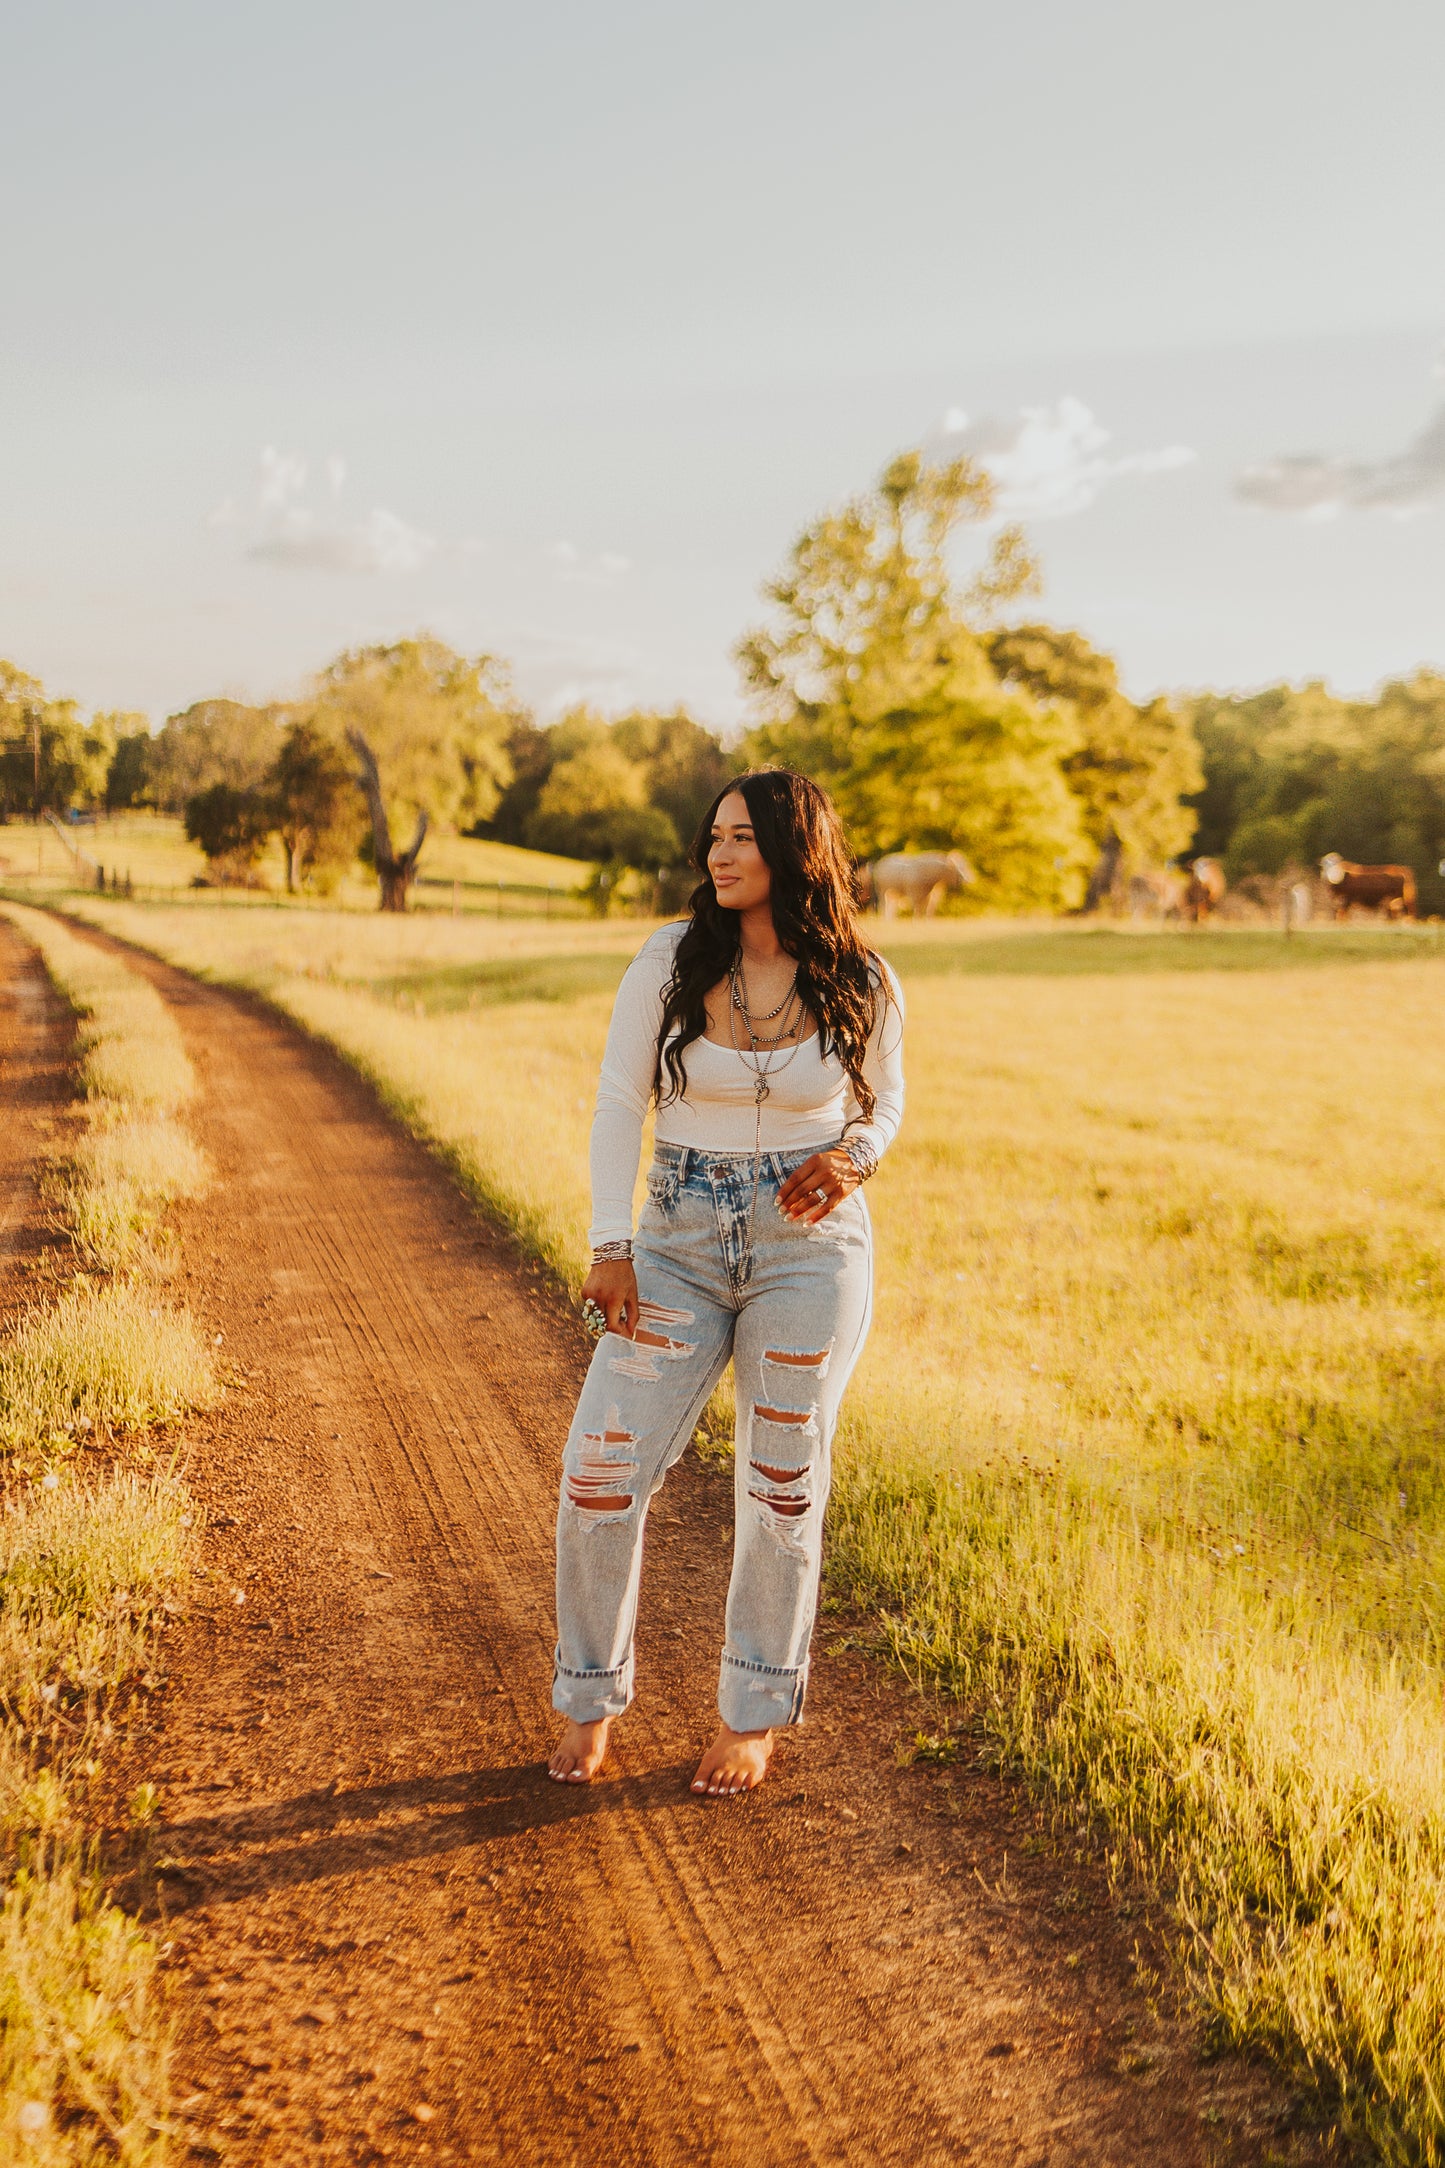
[{"x": 809, "y": 1105}]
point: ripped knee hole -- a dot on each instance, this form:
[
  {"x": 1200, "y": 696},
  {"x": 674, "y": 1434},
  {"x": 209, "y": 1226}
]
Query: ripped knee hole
[
  {"x": 793, "y": 1504},
  {"x": 598, "y": 1484}
]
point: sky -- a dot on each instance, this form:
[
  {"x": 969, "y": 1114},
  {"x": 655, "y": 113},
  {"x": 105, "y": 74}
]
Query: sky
[{"x": 548, "y": 329}]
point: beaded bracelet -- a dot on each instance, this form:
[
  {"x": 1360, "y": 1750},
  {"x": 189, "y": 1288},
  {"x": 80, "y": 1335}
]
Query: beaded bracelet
[{"x": 612, "y": 1253}]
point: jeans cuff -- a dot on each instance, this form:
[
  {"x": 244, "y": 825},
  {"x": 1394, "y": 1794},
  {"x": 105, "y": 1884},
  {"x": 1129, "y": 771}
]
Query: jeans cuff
[
  {"x": 760, "y": 1697},
  {"x": 588, "y": 1696}
]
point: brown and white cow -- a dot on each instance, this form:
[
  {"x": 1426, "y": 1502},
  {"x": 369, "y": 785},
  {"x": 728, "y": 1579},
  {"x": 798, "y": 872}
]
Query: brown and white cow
[{"x": 1390, "y": 889}]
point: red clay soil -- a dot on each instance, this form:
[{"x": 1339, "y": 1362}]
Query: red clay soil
[{"x": 389, "y": 1936}]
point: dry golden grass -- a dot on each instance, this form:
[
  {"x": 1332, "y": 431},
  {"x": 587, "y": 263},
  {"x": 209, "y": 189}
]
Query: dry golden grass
[
  {"x": 84, "y": 2043},
  {"x": 130, "y": 1157},
  {"x": 102, "y": 1358},
  {"x": 1144, "y": 1457},
  {"x": 87, "y": 1571}
]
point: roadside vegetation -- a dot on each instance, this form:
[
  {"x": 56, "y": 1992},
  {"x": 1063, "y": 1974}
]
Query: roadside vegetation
[
  {"x": 96, "y": 1538},
  {"x": 129, "y": 1156},
  {"x": 1143, "y": 1461}
]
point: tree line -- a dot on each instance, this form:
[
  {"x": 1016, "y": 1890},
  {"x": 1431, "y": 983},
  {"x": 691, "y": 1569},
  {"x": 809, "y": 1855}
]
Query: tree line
[{"x": 938, "y": 713}]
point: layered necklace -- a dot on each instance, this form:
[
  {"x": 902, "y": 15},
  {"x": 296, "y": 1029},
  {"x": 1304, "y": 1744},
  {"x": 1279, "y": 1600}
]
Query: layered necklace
[{"x": 766, "y": 1054}]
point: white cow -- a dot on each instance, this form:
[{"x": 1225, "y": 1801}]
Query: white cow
[{"x": 919, "y": 880}]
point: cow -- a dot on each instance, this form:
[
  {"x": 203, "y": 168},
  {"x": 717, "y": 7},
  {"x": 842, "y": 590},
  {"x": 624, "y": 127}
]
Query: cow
[
  {"x": 1390, "y": 889},
  {"x": 1204, "y": 890},
  {"x": 919, "y": 880}
]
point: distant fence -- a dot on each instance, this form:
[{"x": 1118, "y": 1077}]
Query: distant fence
[
  {"x": 499, "y": 899},
  {"x": 90, "y": 869}
]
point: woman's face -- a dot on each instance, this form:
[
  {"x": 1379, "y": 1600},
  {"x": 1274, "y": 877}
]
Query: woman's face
[{"x": 736, "y": 866}]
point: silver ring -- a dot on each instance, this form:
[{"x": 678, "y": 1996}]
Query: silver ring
[
  {"x": 594, "y": 1318},
  {"x": 821, "y": 1195}
]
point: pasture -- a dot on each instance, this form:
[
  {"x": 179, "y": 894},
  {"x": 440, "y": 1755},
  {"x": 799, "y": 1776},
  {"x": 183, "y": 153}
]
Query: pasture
[
  {"x": 1144, "y": 1460},
  {"x": 151, "y": 850}
]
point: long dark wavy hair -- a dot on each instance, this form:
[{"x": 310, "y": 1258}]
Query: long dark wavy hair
[{"x": 814, "y": 906}]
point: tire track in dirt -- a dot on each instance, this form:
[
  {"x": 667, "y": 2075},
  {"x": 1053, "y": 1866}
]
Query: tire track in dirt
[{"x": 390, "y": 1937}]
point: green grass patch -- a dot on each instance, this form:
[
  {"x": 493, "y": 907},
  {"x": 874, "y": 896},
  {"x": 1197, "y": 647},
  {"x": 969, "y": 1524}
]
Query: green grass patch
[
  {"x": 501, "y": 984},
  {"x": 1069, "y": 952}
]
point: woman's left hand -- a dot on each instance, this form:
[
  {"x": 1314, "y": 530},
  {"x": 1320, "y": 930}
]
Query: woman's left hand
[{"x": 812, "y": 1190}]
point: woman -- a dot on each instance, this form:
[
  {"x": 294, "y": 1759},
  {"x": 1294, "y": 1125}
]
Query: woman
[{"x": 771, "y": 1040}]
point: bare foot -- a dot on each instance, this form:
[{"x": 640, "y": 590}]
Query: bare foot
[
  {"x": 577, "y": 1756},
  {"x": 737, "y": 1761}
]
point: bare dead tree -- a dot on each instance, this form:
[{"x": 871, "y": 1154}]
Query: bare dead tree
[{"x": 395, "y": 873}]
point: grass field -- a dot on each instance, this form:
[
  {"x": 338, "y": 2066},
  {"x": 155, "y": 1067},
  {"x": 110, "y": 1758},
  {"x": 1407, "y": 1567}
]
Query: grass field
[
  {"x": 151, "y": 851},
  {"x": 1144, "y": 1458}
]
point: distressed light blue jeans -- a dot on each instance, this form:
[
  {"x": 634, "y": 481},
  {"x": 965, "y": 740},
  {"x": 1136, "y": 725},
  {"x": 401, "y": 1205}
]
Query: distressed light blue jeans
[{"x": 791, "y": 1308}]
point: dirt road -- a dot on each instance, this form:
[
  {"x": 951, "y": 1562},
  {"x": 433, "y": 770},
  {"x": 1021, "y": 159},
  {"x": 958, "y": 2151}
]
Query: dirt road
[{"x": 390, "y": 1937}]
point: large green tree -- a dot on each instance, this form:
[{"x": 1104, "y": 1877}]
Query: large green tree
[
  {"x": 214, "y": 741},
  {"x": 685, "y": 764},
  {"x": 128, "y": 776},
  {"x": 595, "y": 802},
  {"x": 1131, "y": 768},
  {"x": 1293, "y": 772},
  {"x": 231, "y": 827},
  {"x": 682, "y": 766},
  {"x": 870, "y": 678},
  {"x": 531, "y": 757},
  {"x": 50, "y": 760},
  {"x": 429, "y": 729},
  {"x": 314, "y": 808}
]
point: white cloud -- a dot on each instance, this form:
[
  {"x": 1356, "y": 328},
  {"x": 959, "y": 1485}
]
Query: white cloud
[
  {"x": 284, "y": 529},
  {"x": 283, "y": 476},
  {"x": 379, "y": 543},
  {"x": 584, "y": 571},
  {"x": 1047, "y": 461},
  {"x": 1322, "y": 486}
]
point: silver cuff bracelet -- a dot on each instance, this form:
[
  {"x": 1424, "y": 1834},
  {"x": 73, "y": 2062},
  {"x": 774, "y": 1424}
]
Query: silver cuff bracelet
[
  {"x": 612, "y": 1253},
  {"x": 863, "y": 1156}
]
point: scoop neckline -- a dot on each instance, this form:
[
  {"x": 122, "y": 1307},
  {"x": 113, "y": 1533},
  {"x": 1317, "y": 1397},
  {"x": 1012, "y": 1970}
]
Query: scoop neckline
[{"x": 742, "y": 1052}]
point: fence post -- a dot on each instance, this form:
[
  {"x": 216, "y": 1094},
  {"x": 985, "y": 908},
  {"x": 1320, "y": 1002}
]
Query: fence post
[{"x": 500, "y": 886}]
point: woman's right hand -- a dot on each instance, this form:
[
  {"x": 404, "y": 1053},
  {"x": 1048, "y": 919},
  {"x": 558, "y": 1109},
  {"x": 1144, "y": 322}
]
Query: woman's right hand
[{"x": 613, "y": 1287}]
